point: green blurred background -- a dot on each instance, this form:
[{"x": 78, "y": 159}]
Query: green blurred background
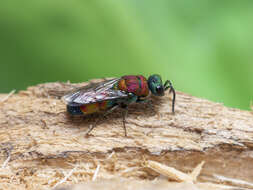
[{"x": 204, "y": 47}]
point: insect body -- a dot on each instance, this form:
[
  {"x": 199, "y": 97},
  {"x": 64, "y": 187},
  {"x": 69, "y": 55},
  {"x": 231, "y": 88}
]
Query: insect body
[{"x": 120, "y": 92}]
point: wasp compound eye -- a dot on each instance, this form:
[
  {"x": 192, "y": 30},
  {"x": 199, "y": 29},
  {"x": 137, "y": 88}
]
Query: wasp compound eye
[{"x": 160, "y": 90}]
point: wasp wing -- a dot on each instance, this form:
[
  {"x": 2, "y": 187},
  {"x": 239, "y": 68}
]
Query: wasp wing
[{"x": 94, "y": 93}]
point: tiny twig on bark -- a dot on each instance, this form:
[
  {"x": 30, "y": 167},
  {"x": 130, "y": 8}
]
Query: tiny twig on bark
[{"x": 8, "y": 95}]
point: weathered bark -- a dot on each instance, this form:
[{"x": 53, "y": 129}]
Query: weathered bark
[{"x": 40, "y": 143}]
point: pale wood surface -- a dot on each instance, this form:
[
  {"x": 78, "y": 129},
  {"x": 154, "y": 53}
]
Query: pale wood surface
[{"x": 44, "y": 144}]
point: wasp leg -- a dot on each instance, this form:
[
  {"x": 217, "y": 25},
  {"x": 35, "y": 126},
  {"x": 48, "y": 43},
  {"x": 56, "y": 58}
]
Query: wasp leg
[
  {"x": 101, "y": 116},
  {"x": 124, "y": 114}
]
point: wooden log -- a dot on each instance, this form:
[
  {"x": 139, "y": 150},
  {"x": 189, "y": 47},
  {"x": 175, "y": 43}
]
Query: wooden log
[{"x": 43, "y": 147}]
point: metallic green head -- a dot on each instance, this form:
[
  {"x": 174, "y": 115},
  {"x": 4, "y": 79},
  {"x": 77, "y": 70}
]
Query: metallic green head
[{"x": 157, "y": 87}]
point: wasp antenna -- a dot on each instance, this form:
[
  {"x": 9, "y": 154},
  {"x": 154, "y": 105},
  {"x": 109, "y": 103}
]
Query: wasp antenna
[
  {"x": 174, "y": 96},
  {"x": 166, "y": 84}
]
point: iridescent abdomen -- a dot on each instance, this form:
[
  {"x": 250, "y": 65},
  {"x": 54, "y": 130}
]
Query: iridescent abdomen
[
  {"x": 134, "y": 84},
  {"x": 90, "y": 108}
]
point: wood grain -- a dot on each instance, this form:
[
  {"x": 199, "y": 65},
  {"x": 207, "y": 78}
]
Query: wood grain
[{"x": 43, "y": 143}]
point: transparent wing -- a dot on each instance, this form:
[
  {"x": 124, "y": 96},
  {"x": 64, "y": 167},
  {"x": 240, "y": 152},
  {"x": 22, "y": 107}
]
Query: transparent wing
[{"x": 95, "y": 92}]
